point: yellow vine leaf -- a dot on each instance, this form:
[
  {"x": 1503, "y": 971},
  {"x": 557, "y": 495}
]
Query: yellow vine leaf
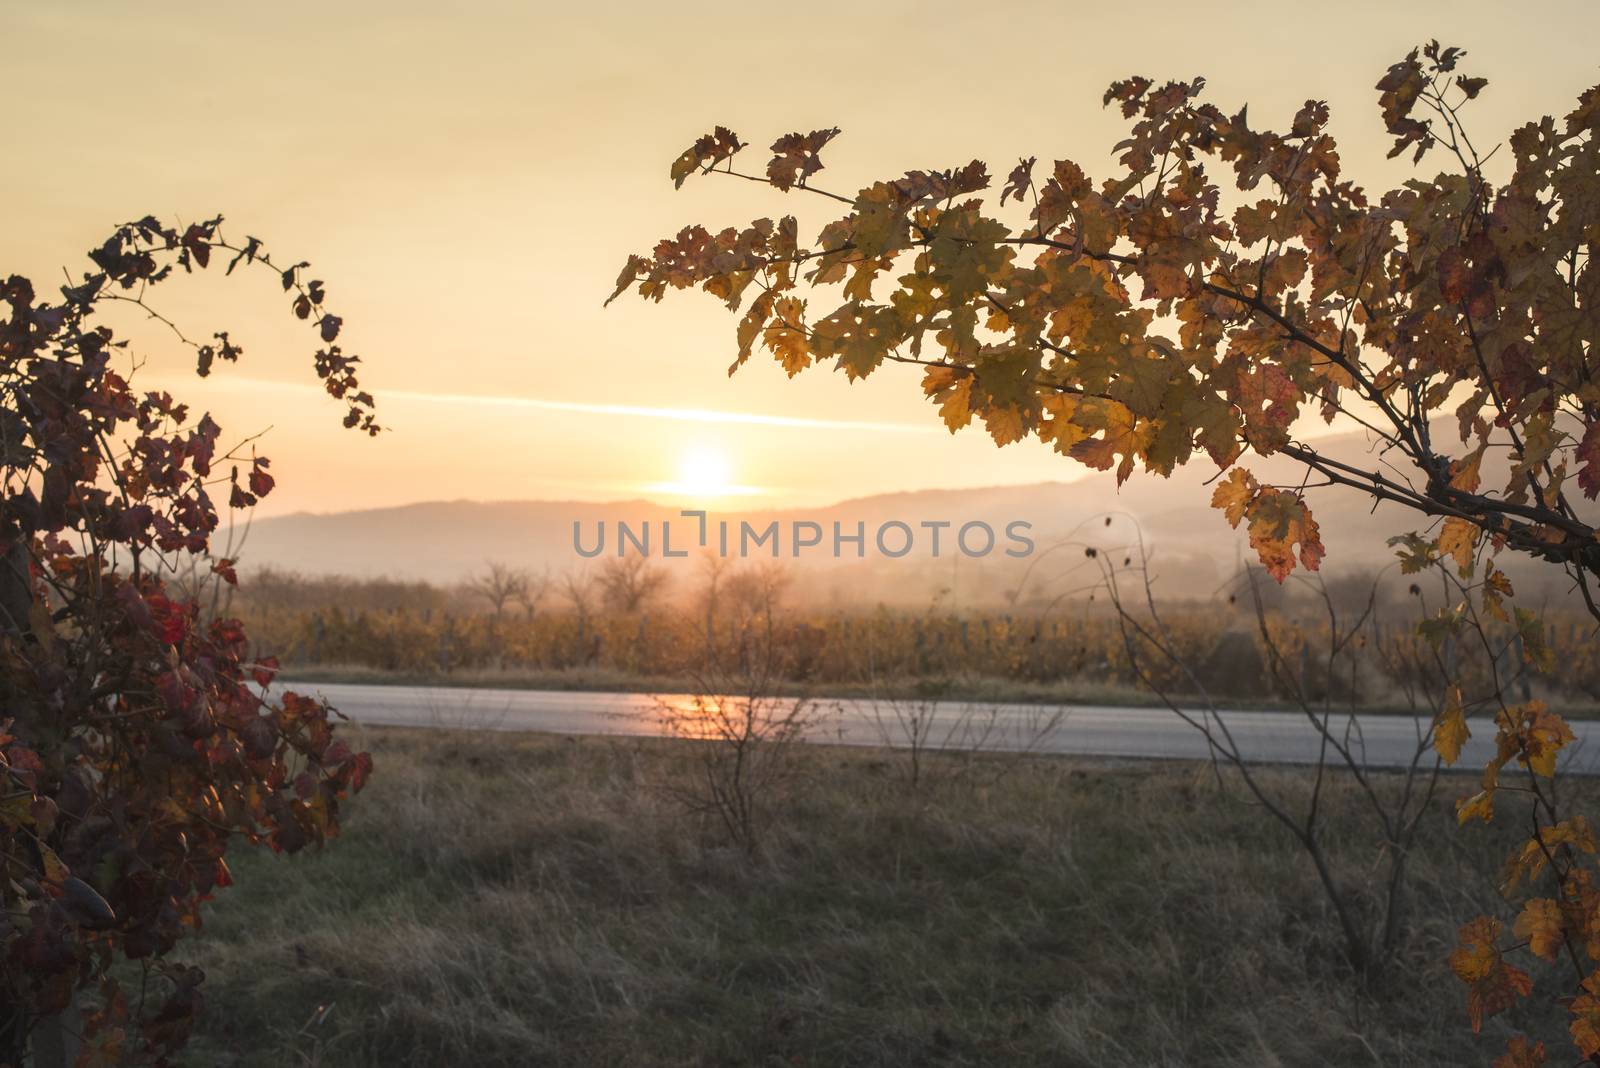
[
  {"x": 1234, "y": 494},
  {"x": 1521, "y": 1052},
  {"x": 1476, "y": 956},
  {"x": 1492, "y": 985},
  {"x": 785, "y": 336},
  {"x": 1585, "y": 1026},
  {"x": 952, "y": 391},
  {"x": 1450, "y": 731},
  {"x": 1536, "y": 851},
  {"x": 1539, "y": 924},
  {"x": 1279, "y": 521},
  {"x": 1459, "y": 539},
  {"x": 1479, "y": 806},
  {"x": 1544, "y": 734}
]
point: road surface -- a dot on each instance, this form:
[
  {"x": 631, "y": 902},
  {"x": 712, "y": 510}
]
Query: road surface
[{"x": 1273, "y": 737}]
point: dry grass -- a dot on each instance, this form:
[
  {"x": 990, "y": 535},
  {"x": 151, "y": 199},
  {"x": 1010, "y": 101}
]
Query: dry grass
[{"x": 531, "y": 900}]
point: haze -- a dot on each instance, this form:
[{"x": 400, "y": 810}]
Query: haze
[{"x": 468, "y": 187}]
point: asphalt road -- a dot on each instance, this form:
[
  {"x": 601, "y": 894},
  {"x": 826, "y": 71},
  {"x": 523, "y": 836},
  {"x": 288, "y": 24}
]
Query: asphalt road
[{"x": 1275, "y": 737}]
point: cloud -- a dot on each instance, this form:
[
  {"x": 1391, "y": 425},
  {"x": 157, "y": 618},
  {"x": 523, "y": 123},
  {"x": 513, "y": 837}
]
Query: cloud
[{"x": 687, "y": 415}]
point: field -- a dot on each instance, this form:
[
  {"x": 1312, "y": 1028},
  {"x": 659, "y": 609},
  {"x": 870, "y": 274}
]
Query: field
[
  {"x": 332, "y": 629},
  {"x": 528, "y": 900}
]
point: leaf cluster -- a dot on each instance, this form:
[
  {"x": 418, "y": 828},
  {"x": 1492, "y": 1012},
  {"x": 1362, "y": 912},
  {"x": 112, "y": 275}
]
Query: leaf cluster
[{"x": 1225, "y": 280}]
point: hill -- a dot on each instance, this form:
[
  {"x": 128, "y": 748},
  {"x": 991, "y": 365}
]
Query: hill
[{"x": 1194, "y": 550}]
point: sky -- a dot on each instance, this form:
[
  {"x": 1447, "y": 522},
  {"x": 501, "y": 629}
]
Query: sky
[{"x": 469, "y": 178}]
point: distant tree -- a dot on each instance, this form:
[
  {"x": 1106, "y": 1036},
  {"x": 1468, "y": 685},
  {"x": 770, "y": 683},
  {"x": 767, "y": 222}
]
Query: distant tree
[
  {"x": 500, "y": 584},
  {"x": 714, "y": 570},
  {"x": 138, "y": 739},
  {"x": 577, "y": 588},
  {"x": 1157, "y": 316},
  {"x": 630, "y": 583},
  {"x": 534, "y": 591},
  {"x": 758, "y": 588},
  {"x": 273, "y": 591}
]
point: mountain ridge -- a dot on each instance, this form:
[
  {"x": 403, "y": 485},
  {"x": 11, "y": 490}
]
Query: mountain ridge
[{"x": 446, "y": 540}]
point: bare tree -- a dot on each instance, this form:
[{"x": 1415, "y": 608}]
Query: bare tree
[
  {"x": 578, "y": 590},
  {"x": 534, "y": 591},
  {"x": 500, "y": 584},
  {"x": 758, "y": 589},
  {"x": 716, "y": 569},
  {"x": 923, "y": 735},
  {"x": 629, "y": 583},
  {"x": 1370, "y": 921},
  {"x": 748, "y": 734}
]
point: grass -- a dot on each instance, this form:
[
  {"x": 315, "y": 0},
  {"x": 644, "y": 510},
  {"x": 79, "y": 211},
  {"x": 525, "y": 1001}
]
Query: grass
[{"x": 538, "y": 900}]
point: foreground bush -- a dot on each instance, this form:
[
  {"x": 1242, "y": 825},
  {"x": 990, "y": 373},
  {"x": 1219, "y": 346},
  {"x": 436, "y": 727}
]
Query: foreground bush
[{"x": 137, "y": 737}]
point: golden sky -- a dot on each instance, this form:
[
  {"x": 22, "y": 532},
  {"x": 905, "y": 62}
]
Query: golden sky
[{"x": 468, "y": 179}]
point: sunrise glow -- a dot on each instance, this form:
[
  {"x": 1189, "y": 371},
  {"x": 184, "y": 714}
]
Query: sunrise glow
[{"x": 704, "y": 473}]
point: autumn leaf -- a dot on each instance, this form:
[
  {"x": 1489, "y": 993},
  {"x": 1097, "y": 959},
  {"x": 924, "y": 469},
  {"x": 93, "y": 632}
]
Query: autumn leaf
[
  {"x": 1589, "y": 456},
  {"x": 785, "y": 335},
  {"x": 1401, "y": 88},
  {"x": 1586, "y": 116},
  {"x": 1476, "y": 956},
  {"x": 1539, "y": 924},
  {"x": 1234, "y": 494},
  {"x": 1521, "y": 1052},
  {"x": 1466, "y": 473},
  {"x": 196, "y": 241},
  {"x": 1458, "y": 539},
  {"x": 630, "y": 272},
  {"x": 1536, "y": 734},
  {"x": 1278, "y": 522},
  {"x": 1058, "y": 425},
  {"x": 261, "y": 483},
  {"x": 1492, "y": 985},
  {"x": 951, "y": 389},
  {"x": 1496, "y": 589},
  {"x": 1019, "y": 181},
  {"x": 1479, "y": 806},
  {"x": 1570, "y": 834},
  {"x": 1585, "y": 1026},
  {"x": 1450, "y": 728},
  {"x": 795, "y": 157},
  {"x": 1122, "y": 435},
  {"x": 706, "y": 152},
  {"x": 1005, "y": 423}
]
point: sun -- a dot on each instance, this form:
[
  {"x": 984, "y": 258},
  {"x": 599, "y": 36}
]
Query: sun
[{"x": 705, "y": 472}]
